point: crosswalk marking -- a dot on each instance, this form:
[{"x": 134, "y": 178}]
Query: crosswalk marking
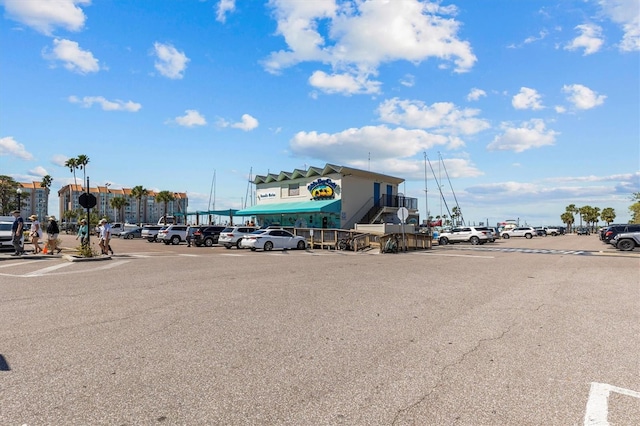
[{"x": 46, "y": 270}]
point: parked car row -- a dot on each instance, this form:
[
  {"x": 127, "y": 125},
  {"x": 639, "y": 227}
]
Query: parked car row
[{"x": 624, "y": 237}]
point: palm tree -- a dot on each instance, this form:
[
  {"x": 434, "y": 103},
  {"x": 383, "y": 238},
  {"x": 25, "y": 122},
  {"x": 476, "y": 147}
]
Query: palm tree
[
  {"x": 572, "y": 209},
  {"x": 72, "y": 164},
  {"x": 165, "y": 197},
  {"x": 46, "y": 184},
  {"x": 568, "y": 219},
  {"x": 81, "y": 162},
  {"x": 118, "y": 203},
  {"x": 139, "y": 192}
]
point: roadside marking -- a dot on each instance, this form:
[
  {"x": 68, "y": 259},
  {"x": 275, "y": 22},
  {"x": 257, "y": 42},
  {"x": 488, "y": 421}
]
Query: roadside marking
[
  {"x": 46, "y": 270},
  {"x": 598, "y": 403},
  {"x": 457, "y": 255}
]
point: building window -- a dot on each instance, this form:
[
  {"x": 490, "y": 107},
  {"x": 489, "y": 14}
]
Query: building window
[{"x": 294, "y": 190}]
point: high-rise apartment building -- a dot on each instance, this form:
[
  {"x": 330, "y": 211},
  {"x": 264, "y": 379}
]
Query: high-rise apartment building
[{"x": 150, "y": 209}]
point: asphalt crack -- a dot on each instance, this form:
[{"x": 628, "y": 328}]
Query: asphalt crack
[{"x": 401, "y": 412}]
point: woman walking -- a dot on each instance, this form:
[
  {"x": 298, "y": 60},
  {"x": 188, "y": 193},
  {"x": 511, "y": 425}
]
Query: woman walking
[
  {"x": 52, "y": 235},
  {"x": 83, "y": 230},
  {"x": 35, "y": 234}
]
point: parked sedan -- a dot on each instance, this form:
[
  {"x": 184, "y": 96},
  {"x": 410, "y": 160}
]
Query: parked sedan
[
  {"x": 269, "y": 239},
  {"x": 131, "y": 233},
  {"x": 583, "y": 231}
]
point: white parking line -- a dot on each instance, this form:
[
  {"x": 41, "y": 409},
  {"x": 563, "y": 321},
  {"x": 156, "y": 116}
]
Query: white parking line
[{"x": 598, "y": 404}]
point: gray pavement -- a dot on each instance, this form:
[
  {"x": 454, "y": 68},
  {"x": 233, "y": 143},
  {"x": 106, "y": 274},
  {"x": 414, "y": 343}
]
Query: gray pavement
[{"x": 457, "y": 335}]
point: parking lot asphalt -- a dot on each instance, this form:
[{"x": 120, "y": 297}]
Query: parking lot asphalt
[{"x": 520, "y": 332}]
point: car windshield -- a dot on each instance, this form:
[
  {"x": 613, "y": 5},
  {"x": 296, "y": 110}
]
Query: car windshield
[
  {"x": 227, "y": 230},
  {"x": 259, "y": 231}
]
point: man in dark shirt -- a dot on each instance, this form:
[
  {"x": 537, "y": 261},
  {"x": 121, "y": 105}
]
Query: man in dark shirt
[{"x": 16, "y": 233}]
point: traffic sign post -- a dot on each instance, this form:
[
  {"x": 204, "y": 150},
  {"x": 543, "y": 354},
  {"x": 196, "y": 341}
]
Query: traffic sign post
[
  {"x": 88, "y": 201},
  {"x": 403, "y": 214}
]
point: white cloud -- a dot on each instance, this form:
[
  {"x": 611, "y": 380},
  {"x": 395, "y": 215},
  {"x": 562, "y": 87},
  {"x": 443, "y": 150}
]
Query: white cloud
[
  {"x": 355, "y": 144},
  {"x": 10, "y": 147},
  {"x": 360, "y": 36},
  {"x": 541, "y": 35},
  {"x": 531, "y": 134},
  {"x": 59, "y": 160},
  {"x": 171, "y": 63},
  {"x": 191, "y": 118},
  {"x": 590, "y": 39},
  {"x": 106, "y": 105},
  {"x": 343, "y": 83},
  {"x": 38, "y": 171},
  {"x": 248, "y": 123},
  {"x": 476, "y": 94},
  {"x": 74, "y": 59},
  {"x": 626, "y": 13},
  {"x": 44, "y": 16},
  {"x": 442, "y": 117},
  {"x": 560, "y": 109},
  {"x": 408, "y": 80},
  {"x": 582, "y": 97},
  {"x": 224, "y": 7},
  {"x": 527, "y": 99}
]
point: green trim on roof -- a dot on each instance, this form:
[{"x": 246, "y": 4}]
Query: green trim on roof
[{"x": 327, "y": 206}]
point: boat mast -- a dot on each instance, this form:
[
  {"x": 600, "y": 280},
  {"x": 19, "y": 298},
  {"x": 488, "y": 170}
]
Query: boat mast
[
  {"x": 452, "y": 191},
  {"x": 439, "y": 186}
]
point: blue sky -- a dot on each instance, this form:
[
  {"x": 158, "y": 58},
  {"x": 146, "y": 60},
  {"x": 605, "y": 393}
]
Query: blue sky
[{"x": 531, "y": 105}]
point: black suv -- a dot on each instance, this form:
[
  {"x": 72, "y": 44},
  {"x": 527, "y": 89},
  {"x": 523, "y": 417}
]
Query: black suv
[
  {"x": 207, "y": 235},
  {"x": 614, "y": 230}
]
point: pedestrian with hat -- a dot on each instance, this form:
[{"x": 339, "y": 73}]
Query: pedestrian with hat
[
  {"x": 83, "y": 231},
  {"x": 35, "y": 233},
  {"x": 105, "y": 236},
  {"x": 52, "y": 235},
  {"x": 16, "y": 233}
]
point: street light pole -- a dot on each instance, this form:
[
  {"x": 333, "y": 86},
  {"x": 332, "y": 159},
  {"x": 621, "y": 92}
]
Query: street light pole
[{"x": 19, "y": 192}]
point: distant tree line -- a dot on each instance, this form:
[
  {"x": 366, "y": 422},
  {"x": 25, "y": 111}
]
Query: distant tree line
[{"x": 589, "y": 216}]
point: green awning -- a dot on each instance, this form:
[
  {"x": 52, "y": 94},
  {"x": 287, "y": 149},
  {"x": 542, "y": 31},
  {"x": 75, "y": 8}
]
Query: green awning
[{"x": 316, "y": 206}]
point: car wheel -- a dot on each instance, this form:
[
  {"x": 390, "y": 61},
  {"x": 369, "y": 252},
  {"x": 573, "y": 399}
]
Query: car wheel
[
  {"x": 227, "y": 246},
  {"x": 474, "y": 240},
  {"x": 175, "y": 240},
  {"x": 253, "y": 249},
  {"x": 166, "y": 243},
  {"x": 238, "y": 244},
  {"x": 506, "y": 236},
  {"x": 208, "y": 242},
  {"x": 528, "y": 236},
  {"x": 268, "y": 246},
  {"x": 130, "y": 237},
  {"x": 302, "y": 245},
  {"x": 151, "y": 240},
  {"x": 626, "y": 245},
  {"x": 443, "y": 241}
]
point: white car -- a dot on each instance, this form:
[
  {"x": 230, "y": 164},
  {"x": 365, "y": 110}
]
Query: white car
[
  {"x": 233, "y": 235},
  {"x": 522, "y": 231},
  {"x": 269, "y": 239},
  {"x": 471, "y": 234}
]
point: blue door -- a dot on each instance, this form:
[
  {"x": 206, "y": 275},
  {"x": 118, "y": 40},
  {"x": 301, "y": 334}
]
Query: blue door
[
  {"x": 390, "y": 196},
  {"x": 376, "y": 194}
]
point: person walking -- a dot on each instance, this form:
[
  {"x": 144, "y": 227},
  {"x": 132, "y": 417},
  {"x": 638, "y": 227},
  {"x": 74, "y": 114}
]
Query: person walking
[
  {"x": 189, "y": 235},
  {"x": 83, "y": 230},
  {"x": 105, "y": 236},
  {"x": 35, "y": 234},
  {"x": 52, "y": 235},
  {"x": 16, "y": 233}
]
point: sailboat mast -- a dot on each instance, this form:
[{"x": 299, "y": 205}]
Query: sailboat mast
[
  {"x": 439, "y": 186},
  {"x": 452, "y": 191}
]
